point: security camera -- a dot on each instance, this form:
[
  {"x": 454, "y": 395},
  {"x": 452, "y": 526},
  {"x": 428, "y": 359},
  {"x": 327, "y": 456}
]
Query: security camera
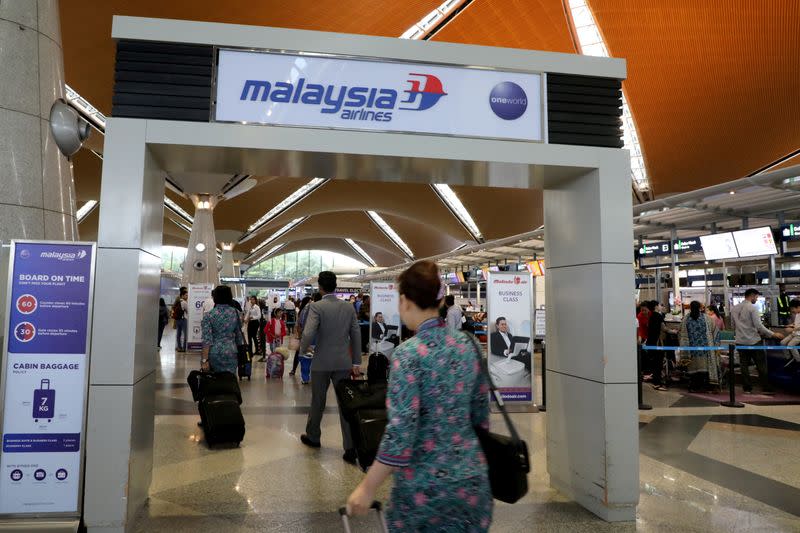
[
  {"x": 199, "y": 265},
  {"x": 69, "y": 130}
]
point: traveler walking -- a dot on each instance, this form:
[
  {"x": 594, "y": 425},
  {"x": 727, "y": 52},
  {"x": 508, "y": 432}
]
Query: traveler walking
[
  {"x": 749, "y": 331},
  {"x": 302, "y": 314},
  {"x": 713, "y": 311},
  {"x": 276, "y": 330},
  {"x": 656, "y": 329},
  {"x": 337, "y": 356},
  {"x": 253, "y": 318},
  {"x": 698, "y": 329},
  {"x": 163, "y": 319},
  {"x": 221, "y": 333},
  {"x": 180, "y": 311},
  {"x": 437, "y": 395},
  {"x": 454, "y": 313}
]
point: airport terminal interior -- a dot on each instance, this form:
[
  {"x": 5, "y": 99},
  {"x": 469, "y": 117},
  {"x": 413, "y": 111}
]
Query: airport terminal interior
[{"x": 211, "y": 211}]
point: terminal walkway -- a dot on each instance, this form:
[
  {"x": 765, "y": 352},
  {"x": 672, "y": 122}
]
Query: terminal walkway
[{"x": 703, "y": 469}]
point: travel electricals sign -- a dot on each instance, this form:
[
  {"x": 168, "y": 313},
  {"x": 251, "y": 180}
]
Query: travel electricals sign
[
  {"x": 44, "y": 379},
  {"x": 294, "y": 90}
]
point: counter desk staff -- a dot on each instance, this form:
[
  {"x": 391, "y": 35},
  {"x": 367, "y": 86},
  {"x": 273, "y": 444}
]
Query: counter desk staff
[{"x": 503, "y": 344}]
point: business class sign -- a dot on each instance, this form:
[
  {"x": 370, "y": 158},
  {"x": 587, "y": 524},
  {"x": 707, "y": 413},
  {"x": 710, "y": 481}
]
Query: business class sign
[{"x": 293, "y": 90}]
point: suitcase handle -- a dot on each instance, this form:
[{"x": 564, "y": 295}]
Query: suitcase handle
[
  {"x": 378, "y": 506},
  {"x": 45, "y": 384}
]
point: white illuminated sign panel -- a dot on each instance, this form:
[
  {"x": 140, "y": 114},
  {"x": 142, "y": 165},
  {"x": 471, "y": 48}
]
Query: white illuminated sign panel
[
  {"x": 324, "y": 92},
  {"x": 755, "y": 242},
  {"x": 719, "y": 246}
]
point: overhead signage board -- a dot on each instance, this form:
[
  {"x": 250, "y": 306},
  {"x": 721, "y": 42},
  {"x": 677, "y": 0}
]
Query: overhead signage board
[
  {"x": 655, "y": 249},
  {"x": 509, "y": 297},
  {"x": 719, "y": 246},
  {"x": 689, "y": 245},
  {"x": 44, "y": 377},
  {"x": 790, "y": 232},
  {"x": 755, "y": 242},
  {"x": 327, "y": 92}
]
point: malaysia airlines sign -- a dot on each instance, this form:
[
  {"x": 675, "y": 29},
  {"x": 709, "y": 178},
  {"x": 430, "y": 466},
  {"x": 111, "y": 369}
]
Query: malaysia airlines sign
[{"x": 292, "y": 90}]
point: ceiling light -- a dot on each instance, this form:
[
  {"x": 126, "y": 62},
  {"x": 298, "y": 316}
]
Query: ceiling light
[
  {"x": 591, "y": 43},
  {"x": 732, "y": 193},
  {"x": 88, "y": 110},
  {"x": 85, "y": 209},
  {"x": 291, "y": 225},
  {"x": 360, "y": 251},
  {"x": 200, "y": 247},
  {"x": 427, "y": 24},
  {"x": 203, "y": 204},
  {"x": 178, "y": 210},
  {"x": 285, "y": 204},
  {"x": 267, "y": 254},
  {"x": 449, "y": 197},
  {"x": 390, "y": 233}
]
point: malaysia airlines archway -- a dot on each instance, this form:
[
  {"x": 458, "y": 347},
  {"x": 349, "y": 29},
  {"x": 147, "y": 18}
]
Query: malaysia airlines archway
[{"x": 592, "y": 423}]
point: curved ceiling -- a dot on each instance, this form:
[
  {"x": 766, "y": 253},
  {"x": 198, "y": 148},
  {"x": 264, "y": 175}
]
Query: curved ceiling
[{"x": 712, "y": 86}]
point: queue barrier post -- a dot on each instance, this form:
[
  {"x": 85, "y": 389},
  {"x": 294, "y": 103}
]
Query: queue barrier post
[
  {"x": 543, "y": 406},
  {"x": 642, "y": 406},
  {"x": 731, "y": 380}
]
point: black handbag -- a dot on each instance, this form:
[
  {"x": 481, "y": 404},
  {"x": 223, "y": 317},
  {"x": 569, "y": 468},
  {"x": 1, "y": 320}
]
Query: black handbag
[
  {"x": 507, "y": 456},
  {"x": 242, "y": 349}
]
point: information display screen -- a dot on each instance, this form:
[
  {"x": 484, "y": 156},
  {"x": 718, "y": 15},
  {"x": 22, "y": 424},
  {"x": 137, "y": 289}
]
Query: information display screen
[
  {"x": 688, "y": 245},
  {"x": 719, "y": 246},
  {"x": 655, "y": 249},
  {"x": 755, "y": 242}
]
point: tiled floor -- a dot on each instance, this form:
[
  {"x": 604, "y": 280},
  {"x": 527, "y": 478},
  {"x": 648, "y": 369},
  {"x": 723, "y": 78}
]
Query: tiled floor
[{"x": 700, "y": 470}]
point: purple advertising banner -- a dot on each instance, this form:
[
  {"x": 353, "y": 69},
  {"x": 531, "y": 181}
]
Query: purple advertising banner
[
  {"x": 44, "y": 376},
  {"x": 50, "y": 293}
]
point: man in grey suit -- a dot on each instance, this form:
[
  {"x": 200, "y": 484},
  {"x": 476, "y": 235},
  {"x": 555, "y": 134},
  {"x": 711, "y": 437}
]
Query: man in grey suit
[{"x": 337, "y": 356}]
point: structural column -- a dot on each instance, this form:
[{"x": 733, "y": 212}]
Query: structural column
[
  {"x": 37, "y": 194},
  {"x": 592, "y": 420},
  {"x": 200, "y": 265},
  {"x": 119, "y": 446}
]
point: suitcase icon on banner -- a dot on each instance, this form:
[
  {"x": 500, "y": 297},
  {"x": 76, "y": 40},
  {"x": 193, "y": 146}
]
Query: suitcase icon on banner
[{"x": 44, "y": 400}]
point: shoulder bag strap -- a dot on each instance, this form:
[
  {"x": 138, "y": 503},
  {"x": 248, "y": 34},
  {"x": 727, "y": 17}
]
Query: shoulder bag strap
[{"x": 485, "y": 368}]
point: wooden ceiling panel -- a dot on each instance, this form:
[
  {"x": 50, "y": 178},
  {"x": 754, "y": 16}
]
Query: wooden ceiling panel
[
  {"x": 423, "y": 239},
  {"x": 529, "y": 24},
  {"x": 409, "y": 200},
  {"x": 712, "y": 85},
  {"x": 502, "y": 212},
  {"x": 346, "y": 224}
]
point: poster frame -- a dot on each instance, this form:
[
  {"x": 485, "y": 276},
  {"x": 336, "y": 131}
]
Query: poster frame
[
  {"x": 490, "y": 316},
  {"x": 55, "y": 516}
]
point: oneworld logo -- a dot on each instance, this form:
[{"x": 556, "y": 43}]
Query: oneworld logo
[
  {"x": 508, "y": 100},
  {"x": 354, "y": 103}
]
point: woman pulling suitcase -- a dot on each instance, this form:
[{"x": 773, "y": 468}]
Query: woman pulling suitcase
[{"x": 437, "y": 396}]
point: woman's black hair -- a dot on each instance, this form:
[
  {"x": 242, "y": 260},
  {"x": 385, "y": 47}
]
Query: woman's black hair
[
  {"x": 694, "y": 309},
  {"x": 222, "y": 295},
  {"x": 714, "y": 309},
  {"x": 304, "y": 302},
  {"x": 162, "y": 302}
]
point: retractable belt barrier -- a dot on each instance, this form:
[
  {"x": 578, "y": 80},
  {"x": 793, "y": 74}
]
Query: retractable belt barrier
[{"x": 732, "y": 347}]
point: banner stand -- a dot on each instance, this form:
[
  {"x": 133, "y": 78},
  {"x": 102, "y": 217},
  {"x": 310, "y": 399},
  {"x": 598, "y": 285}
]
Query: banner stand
[
  {"x": 384, "y": 299},
  {"x": 199, "y": 293},
  {"x": 509, "y": 305},
  {"x": 44, "y": 384}
]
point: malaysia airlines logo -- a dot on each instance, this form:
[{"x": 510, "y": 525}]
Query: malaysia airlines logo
[
  {"x": 352, "y": 103},
  {"x": 429, "y": 90}
]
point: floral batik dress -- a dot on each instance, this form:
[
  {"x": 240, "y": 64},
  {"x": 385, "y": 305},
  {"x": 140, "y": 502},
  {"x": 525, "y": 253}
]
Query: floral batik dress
[
  {"x": 221, "y": 333},
  {"x": 437, "y": 395}
]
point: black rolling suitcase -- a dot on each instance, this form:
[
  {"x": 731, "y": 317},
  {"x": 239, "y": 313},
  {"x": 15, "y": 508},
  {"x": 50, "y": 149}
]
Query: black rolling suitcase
[
  {"x": 222, "y": 419},
  {"x": 205, "y": 384},
  {"x": 363, "y": 407},
  {"x": 378, "y": 368}
]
